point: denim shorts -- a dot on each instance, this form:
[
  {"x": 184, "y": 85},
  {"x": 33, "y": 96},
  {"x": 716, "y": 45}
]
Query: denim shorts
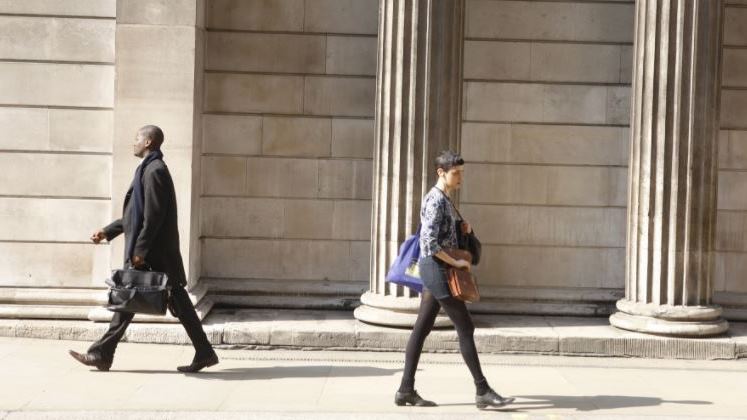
[{"x": 433, "y": 275}]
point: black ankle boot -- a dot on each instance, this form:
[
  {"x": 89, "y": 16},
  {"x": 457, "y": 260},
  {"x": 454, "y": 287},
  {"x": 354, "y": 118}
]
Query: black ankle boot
[
  {"x": 412, "y": 398},
  {"x": 491, "y": 399}
]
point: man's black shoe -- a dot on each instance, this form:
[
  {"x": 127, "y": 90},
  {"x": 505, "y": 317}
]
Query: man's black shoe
[
  {"x": 412, "y": 398},
  {"x": 197, "y": 365},
  {"x": 91, "y": 360},
  {"x": 491, "y": 399}
]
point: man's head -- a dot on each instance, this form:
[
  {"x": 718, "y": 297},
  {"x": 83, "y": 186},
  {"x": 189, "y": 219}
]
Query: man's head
[{"x": 148, "y": 138}]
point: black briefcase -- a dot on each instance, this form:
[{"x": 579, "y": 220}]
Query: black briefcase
[{"x": 138, "y": 291}]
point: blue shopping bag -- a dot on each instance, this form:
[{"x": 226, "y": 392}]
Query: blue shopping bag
[{"x": 404, "y": 270}]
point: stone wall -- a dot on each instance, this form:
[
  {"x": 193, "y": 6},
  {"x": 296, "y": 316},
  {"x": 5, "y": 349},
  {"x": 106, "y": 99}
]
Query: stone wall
[
  {"x": 731, "y": 224},
  {"x": 545, "y": 133},
  {"x": 56, "y": 100},
  {"x": 287, "y": 147}
]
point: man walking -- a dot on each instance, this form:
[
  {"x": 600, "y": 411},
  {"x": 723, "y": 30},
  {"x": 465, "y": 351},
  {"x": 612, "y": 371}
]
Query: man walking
[{"x": 151, "y": 237}]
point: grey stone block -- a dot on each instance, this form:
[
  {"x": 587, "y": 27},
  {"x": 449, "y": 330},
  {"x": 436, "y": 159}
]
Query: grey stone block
[
  {"x": 93, "y": 8},
  {"x": 32, "y": 219},
  {"x": 242, "y": 217},
  {"x": 549, "y": 185},
  {"x": 497, "y": 60},
  {"x": 732, "y": 190},
  {"x": 507, "y": 265},
  {"x": 46, "y": 175},
  {"x": 575, "y": 62},
  {"x": 352, "y": 220},
  {"x": 618, "y": 105},
  {"x": 575, "y": 104},
  {"x": 314, "y": 260},
  {"x": 342, "y": 16},
  {"x": 232, "y": 134},
  {"x": 56, "y": 39},
  {"x": 50, "y": 265},
  {"x": 339, "y": 96},
  {"x": 734, "y": 109},
  {"x": 352, "y": 138},
  {"x": 734, "y": 65},
  {"x": 158, "y": 12},
  {"x": 308, "y": 219},
  {"x": 256, "y": 15},
  {"x": 224, "y": 175},
  {"x": 241, "y": 258},
  {"x": 253, "y": 93},
  {"x": 360, "y": 260},
  {"x": 298, "y": 137},
  {"x": 272, "y": 53},
  {"x": 735, "y": 31},
  {"x": 85, "y": 85},
  {"x": 731, "y": 231},
  {"x": 733, "y": 149},
  {"x": 602, "y": 227},
  {"x": 354, "y": 55},
  {"x": 277, "y": 177},
  {"x": 585, "y": 21},
  {"x": 559, "y": 144},
  {"x": 501, "y": 102},
  {"x": 56, "y": 129},
  {"x": 345, "y": 179}
]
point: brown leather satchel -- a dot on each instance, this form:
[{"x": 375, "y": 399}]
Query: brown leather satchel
[{"x": 462, "y": 283}]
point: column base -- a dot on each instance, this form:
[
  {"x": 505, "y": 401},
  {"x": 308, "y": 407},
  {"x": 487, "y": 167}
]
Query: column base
[
  {"x": 675, "y": 321},
  {"x": 392, "y": 311}
]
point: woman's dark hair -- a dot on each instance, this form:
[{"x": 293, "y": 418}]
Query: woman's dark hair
[{"x": 447, "y": 160}]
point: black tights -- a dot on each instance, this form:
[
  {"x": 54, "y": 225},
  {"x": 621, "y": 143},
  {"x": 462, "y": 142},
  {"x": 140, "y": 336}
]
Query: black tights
[{"x": 460, "y": 317}]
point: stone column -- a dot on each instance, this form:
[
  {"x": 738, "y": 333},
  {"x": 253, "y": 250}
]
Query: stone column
[
  {"x": 159, "y": 67},
  {"x": 673, "y": 170},
  {"x": 418, "y": 107}
]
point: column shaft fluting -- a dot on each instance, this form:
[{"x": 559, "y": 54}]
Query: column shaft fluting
[
  {"x": 673, "y": 170},
  {"x": 418, "y": 100}
]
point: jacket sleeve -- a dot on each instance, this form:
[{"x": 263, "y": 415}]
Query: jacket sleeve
[
  {"x": 155, "y": 207},
  {"x": 430, "y": 225},
  {"x": 113, "y": 230}
]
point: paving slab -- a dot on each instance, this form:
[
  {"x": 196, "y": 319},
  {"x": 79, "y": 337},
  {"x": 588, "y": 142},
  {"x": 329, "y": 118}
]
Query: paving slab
[{"x": 42, "y": 382}]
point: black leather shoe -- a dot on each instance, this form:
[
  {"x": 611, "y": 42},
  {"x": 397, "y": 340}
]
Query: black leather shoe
[
  {"x": 91, "y": 360},
  {"x": 412, "y": 398},
  {"x": 198, "y": 365},
  {"x": 492, "y": 399}
]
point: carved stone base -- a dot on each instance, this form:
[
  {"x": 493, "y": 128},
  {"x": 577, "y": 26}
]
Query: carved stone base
[
  {"x": 676, "y": 321},
  {"x": 392, "y": 311}
]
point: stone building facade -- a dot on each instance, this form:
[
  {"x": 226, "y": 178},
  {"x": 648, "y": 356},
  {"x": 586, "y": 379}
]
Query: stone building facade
[{"x": 298, "y": 161}]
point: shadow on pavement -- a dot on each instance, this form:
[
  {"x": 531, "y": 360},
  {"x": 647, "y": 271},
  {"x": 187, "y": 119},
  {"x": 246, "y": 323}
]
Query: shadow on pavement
[
  {"x": 592, "y": 402},
  {"x": 317, "y": 371}
]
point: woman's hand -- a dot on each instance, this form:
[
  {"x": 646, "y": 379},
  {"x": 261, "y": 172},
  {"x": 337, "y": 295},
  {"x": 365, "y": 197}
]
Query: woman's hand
[
  {"x": 463, "y": 264},
  {"x": 466, "y": 228}
]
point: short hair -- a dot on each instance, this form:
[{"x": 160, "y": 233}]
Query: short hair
[
  {"x": 447, "y": 160},
  {"x": 154, "y": 134}
]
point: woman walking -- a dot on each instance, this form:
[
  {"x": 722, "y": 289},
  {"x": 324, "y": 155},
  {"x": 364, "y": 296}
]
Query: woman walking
[{"x": 438, "y": 220}]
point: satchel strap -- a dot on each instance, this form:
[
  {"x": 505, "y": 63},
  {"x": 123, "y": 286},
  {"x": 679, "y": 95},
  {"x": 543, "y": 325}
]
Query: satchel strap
[{"x": 452, "y": 204}]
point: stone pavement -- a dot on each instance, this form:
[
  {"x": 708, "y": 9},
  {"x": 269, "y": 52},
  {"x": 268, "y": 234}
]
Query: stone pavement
[
  {"x": 41, "y": 381},
  {"x": 309, "y": 329}
]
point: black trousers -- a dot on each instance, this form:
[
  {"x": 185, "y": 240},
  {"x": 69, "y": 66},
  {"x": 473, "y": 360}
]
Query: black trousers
[
  {"x": 186, "y": 313},
  {"x": 460, "y": 317}
]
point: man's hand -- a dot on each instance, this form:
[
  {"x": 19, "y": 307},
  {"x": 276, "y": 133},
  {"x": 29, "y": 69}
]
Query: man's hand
[
  {"x": 138, "y": 261},
  {"x": 98, "y": 236}
]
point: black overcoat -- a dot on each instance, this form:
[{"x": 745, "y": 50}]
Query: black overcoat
[{"x": 158, "y": 242}]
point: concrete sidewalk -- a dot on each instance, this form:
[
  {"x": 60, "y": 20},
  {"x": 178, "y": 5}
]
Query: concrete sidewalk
[{"x": 41, "y": 381}]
